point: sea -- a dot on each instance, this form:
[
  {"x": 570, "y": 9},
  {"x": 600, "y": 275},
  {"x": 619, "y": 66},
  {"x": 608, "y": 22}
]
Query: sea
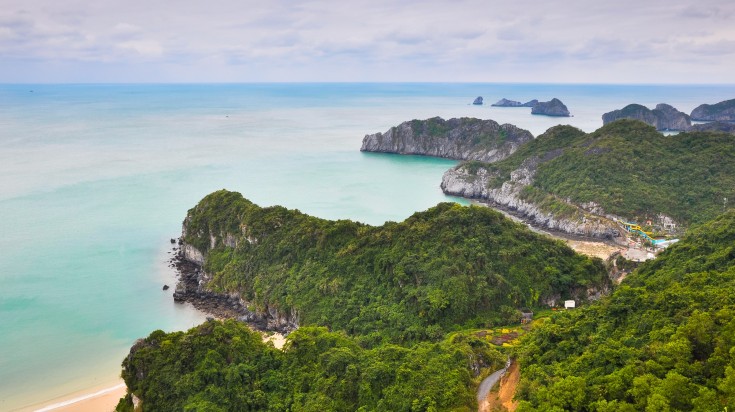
[{"x": 95, "y": 180}]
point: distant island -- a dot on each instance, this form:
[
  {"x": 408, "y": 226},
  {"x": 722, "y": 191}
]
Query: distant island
[
  {"x": 478, "y": 101},
  {"x": 663, "y": 117},
  {"x": 462, "y": 139},
  {"x": 723, "y": 111},
  {"x": 512, "y": 103},
  {"x": 553, "y": 107}
]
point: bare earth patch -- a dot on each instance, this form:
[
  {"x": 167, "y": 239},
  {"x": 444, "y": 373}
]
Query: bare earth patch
[{"x": 502, "y": 398}]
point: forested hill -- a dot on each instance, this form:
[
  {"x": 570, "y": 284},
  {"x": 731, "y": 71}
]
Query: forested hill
[
  {"x": 663, "y": 341},
  {"x": 625, "y": 168},
  {"x": 441, "y": 269},
  {"x": 219, "y": 367}
]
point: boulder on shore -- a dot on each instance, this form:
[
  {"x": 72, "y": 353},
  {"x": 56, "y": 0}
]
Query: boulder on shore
[
  {"x": 478, "y": 101},
  {"x": 663, "y": 117},
  {"x": 553, "y": 107},
  {"x": 723, "y": 111}
]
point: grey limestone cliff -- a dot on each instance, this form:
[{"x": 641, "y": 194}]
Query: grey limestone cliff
[
  {"x": 193, "y": 287},
  {"x": 587, "y": 220},
  {"x": 663, "y": 117},
  {"x": 553, "y": 107},
  {"x": 461, "y": 139},
  {"x": 722, "y": 111}
]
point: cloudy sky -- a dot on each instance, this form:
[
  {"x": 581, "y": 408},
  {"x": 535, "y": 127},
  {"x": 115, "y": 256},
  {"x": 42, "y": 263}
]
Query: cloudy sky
[{"x": 577, "y": 41}]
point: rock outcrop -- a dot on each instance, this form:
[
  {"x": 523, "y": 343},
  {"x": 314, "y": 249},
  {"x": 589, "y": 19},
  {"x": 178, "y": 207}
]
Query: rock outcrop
[
  {"x": 461, "y": 139},
  {"x": 726, "y": 127},
  {"x": 663, "y": 117},
  {"x": 192, "y": 288},
  {"x": 553, "y": 107},
  {"x": 512, "y": 103},
  {"x": 588, "y": 221},
  {"x": 723, "y": 111},
  {"x": 478, "y": 101}
]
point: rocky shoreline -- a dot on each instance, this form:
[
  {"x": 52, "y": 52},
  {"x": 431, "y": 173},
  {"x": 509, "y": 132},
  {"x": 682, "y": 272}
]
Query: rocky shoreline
[
  {"x": 190, "y": 289},
  {"x": 588, "y": 224}
]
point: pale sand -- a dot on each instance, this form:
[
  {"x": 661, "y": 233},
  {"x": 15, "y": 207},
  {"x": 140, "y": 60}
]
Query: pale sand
[
  {"x": 98, "y": 399},
  {"x": 277, "y": 339},
  {"x": 592, "y": 248}
]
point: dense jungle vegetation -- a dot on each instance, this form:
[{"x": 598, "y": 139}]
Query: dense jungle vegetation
[
  {"x": 226, "y": 367},
  {"x": 663, "y": 341},
  {"x": 444, "y": 269},
  {"x": 629, "y": 169},
  {"x": 378, "y": 308}
]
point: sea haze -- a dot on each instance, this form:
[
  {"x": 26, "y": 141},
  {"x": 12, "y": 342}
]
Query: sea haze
[{"x": 95, "y": 180}]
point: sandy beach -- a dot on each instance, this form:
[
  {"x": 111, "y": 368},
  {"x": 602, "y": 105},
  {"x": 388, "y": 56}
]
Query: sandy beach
[
  {"x": 104, "y": 398},
  {"x": 98, "y": 399}
]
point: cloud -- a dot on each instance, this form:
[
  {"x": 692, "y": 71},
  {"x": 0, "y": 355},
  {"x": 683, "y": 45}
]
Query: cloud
[{"x": 373, "y": 39}]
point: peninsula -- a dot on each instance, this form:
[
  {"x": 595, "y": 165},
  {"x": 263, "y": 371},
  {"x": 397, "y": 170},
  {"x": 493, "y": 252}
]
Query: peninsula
[{"x": 584, "y": 184}]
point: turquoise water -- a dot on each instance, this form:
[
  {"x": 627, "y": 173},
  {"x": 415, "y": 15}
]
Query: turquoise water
[{"x": 95, "y": 180}]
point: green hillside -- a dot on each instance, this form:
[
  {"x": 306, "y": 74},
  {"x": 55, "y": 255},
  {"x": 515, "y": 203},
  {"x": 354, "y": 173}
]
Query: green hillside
[
  {"x": 225, "y": 367},
  {"x": 379, "y": 309},
  {"x": 629, "y": 169},
  {"x": 451, "y": 266},
  {"x": 663, "y": 341}
]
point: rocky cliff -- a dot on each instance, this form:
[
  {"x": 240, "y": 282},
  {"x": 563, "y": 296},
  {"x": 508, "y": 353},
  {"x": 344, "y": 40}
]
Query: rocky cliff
[
  {"x": 553, "y": 107},
  {"x": 461, "y": 139},
  {"x": 722, "y": 111},
  {"x": 461, "y": 181},
  {"x": 663, "y": 117},
  {"x": 195, "y": 283},
  {"x": 512, "y": 103}
]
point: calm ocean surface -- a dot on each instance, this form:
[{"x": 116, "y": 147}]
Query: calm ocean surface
[{"x": 95, "y": 180}]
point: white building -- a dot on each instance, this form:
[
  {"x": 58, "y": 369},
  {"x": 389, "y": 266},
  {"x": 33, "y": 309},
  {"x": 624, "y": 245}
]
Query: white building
[{"x": 569, "y": 304}]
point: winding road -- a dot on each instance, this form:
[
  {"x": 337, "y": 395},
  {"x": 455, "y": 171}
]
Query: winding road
[{"x": 490, "y": 381}]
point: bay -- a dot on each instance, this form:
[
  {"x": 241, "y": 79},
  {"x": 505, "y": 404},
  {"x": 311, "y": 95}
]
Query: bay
[{"x": 95, "y": 180}]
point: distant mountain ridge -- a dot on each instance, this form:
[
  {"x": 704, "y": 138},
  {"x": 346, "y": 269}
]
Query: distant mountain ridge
[{"x": 663, "y": 117}]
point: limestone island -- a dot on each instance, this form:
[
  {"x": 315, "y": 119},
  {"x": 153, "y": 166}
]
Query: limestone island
[
  {"x": 723, "y": 111},
  {"x": 663, "y": 117},
  {"x": 554, "y": 107},
  {"x": 512, "y": 103},
  {"x": 461, "y": 139},
  {"x": 478, "y": 101}
]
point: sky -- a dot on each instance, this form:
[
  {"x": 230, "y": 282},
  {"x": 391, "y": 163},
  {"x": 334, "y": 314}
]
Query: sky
[{"x": 562, "y": 41}]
